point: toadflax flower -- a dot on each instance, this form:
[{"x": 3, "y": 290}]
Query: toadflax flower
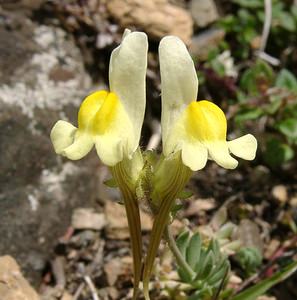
[
  {"x": 197, "y": 128},
  {"x": 110, "y": 120},
  {"x": 192, "y": 132}
]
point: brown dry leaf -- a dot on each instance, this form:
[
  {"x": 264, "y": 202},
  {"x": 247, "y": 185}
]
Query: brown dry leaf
[{"x": 271, "y": 248}]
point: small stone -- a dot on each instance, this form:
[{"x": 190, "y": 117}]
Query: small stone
[
  {"x": 13, "y": 286},
  {"x": 293, "y": 202},
  {"x": 199, "y": 205},
  {"x": 112, "y": 270},
  {"x": 87, "y": 218},
  {"x": 117, "y": 224},
  {"x": 204, "y": 12},
  {"x": 279, "y": 192},
  {"x": 156, "y": 17},
  {"x": 66, "y": 296},
  {"x": 109, "y": 292},
  {"x": 206, "y": 41}
]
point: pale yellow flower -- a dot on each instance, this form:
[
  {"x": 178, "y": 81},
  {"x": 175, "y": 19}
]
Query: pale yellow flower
[
  {"x": 197, "y": 129},
  {"x": 110, "y": 120}
]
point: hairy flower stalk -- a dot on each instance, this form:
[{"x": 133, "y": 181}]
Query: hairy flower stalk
[{"x": 126, "y": 174}]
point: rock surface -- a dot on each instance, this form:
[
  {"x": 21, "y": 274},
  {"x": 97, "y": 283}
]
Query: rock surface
[
  {"x": 13, "y": 286},
  {"x": 42, "y": 79},
  {"x": 156, "y": 17}
]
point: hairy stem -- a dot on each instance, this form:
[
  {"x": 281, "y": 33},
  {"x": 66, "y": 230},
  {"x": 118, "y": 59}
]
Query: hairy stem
[{"x": 133, "y": 217}]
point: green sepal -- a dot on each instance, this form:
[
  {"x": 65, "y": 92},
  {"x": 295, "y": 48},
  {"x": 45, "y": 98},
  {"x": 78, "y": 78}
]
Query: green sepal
[
  {"x": 111, "y": 183},
  {"x": 185, "y": 194}
]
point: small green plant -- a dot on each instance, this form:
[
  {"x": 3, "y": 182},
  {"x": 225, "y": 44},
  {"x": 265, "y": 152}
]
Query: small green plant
[
  {"x": 270, "y": 96},
  {"x": 245, "y": 26}
]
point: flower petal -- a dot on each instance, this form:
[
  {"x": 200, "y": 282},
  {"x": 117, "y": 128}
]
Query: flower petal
[
  {"x": 127, "y": 71},
  {"x": 244, "y": 147},
  {"x": 109, "y": 149},
  {"x": 179, "y": 81},
  {"x": 82, "y": 145},
  {"x": 194, "y": 156},
  {"x": 62, "y": 135},
  {"x": 219, "y": 152}
]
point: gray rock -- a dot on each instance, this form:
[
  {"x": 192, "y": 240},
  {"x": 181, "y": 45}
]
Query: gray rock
[
  {"x": 42, "y": 80},
  {"x": 204, "y": 12}
]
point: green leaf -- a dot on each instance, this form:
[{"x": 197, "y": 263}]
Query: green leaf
[
  {"x": 198, "y": 266},
  {"x": 277, "y": 152},
  {"x": 256, "y": 76},
  {"x": 262, "y": 287},
  {"x": 194, "y": 250},
  {"x": 274, "y": 105},
  {"x": 185, "y": 194},
  {"x": 111, "y": 183},
  {"x": 176, "y": 208},
  {"x": 249, "y": 259},
  {"x": 219, "y": 273},
  {"x": 287, "y": 21},
  {"x": 288, "y": 127},
  {"x": 286, "y": 79},
  {"x": 249, "y": 3},
  {"x": 182, "y": 242},
  {"x": 248, "y": 114},
  {"x": 184, "y": 276},
  {"x": 206, "y": 265}
]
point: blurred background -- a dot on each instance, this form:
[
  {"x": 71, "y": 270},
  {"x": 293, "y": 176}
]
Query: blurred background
[{"x": 58, "y": 223}]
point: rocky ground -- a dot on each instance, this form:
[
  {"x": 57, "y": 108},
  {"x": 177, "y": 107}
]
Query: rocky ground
[{"x": 59, "y": 225}]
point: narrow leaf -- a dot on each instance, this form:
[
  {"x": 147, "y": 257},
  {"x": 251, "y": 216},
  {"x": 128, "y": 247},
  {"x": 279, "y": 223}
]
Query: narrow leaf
[
  {"x": 182, "y": 242},
  {"x": 262, "y": 287},
  {"x": 194, "y": 250}
]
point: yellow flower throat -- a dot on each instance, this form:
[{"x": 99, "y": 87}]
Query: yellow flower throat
[
  {"x": 98, "y": 111},
  {"x": 205, "y": 121}
]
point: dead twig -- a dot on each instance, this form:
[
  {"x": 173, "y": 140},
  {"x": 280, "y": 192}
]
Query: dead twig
[
  {"x": 155, "y": 137},
  {"x": 91, "y": 286},
  {"x": 265, "y": 34},
  {"x": 89, "y": 271}
]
